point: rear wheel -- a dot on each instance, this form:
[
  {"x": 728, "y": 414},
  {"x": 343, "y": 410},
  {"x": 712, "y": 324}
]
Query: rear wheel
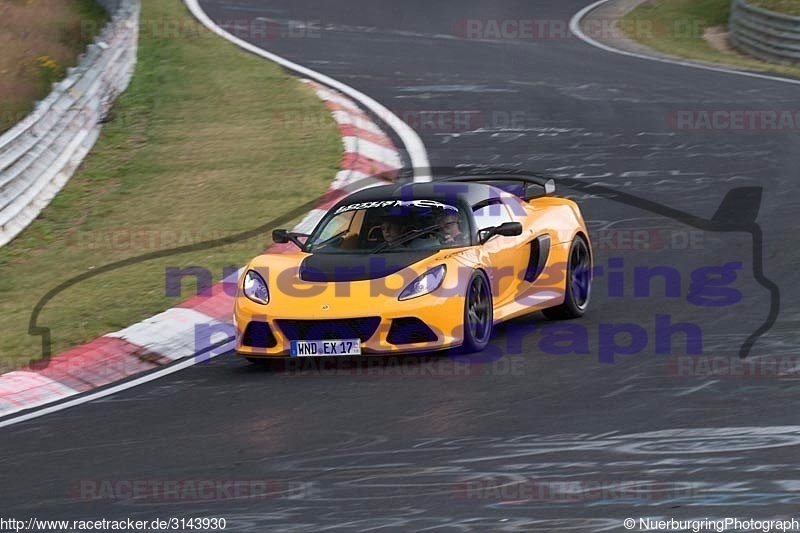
[
  {"x": 579, "y": 283},
  {"x": 478, "y": 313}
]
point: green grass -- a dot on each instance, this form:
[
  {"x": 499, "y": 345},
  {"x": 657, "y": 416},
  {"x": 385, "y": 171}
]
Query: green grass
[
  {"x": 39, "y": 40},
  {"x": 676, "y": 27},
  {"x": 788, "y": 7},
  {"x": 208, "y": 141}
]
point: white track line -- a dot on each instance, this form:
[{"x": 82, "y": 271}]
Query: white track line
[
  {"x": 574, "y": 26},
  {"x": 413, "y": 144}
]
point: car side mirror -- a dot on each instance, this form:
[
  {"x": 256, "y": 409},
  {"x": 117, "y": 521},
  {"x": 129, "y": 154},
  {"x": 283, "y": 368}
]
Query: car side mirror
[
  {"x": 506, "y": 229},
  {"x": 509, "y": 229},
  {"x": 280, "y": 236}
]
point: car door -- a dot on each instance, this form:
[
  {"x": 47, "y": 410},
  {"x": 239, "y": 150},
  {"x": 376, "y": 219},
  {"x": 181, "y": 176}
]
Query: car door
[{"x": 503, "y": 257}]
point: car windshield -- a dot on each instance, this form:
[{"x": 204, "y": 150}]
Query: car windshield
[{"x": 387, "y": 226}]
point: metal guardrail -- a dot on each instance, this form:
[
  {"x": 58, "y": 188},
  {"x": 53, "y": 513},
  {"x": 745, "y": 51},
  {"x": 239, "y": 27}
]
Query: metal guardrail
[
  {"x": 40, "y": 153},
  {"x": 764, "y": 34}
]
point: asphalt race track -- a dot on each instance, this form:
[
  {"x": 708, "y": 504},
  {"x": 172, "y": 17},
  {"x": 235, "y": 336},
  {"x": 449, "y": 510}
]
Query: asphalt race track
[{"x": 526, "y": 438}]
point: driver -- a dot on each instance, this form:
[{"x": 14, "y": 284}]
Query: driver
[
  {"x": 396, "y": 229},
  {"x": 391, "y": 229},
  {"x": 450, "y": 233}
]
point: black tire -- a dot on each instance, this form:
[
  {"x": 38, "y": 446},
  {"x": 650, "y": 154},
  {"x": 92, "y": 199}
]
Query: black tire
[
  {"x": 578, "y": 283},
  {"x": 478, "y": 314}
]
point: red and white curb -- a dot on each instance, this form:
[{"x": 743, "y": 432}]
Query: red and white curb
[{"x": 172, "y": 336}]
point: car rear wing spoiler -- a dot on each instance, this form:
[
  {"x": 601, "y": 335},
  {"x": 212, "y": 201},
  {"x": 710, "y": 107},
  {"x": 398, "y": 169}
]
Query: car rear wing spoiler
[{"x": 526, "y": 187}]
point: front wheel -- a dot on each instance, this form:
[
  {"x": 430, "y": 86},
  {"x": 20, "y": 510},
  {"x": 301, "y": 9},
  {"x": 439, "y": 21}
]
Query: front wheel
[
  {"x": 478, "y": 313},
  {"x": 579, "y": 283}
]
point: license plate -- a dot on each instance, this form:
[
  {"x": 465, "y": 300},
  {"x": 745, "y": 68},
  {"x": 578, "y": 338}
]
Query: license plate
[{"x": 325, "y": 348}]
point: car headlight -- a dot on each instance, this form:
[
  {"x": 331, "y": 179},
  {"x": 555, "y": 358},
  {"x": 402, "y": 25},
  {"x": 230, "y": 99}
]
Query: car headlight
[
  {"x": 427, "y": 282},
  {"x": 255, "y": 287}
]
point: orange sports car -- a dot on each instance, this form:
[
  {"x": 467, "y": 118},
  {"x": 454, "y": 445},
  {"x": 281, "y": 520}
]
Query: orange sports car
[{"x": 416, "y": 268}]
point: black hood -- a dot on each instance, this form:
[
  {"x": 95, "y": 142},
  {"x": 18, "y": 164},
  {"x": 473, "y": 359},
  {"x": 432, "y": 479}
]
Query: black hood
[{"x": 358, "y": 267}]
